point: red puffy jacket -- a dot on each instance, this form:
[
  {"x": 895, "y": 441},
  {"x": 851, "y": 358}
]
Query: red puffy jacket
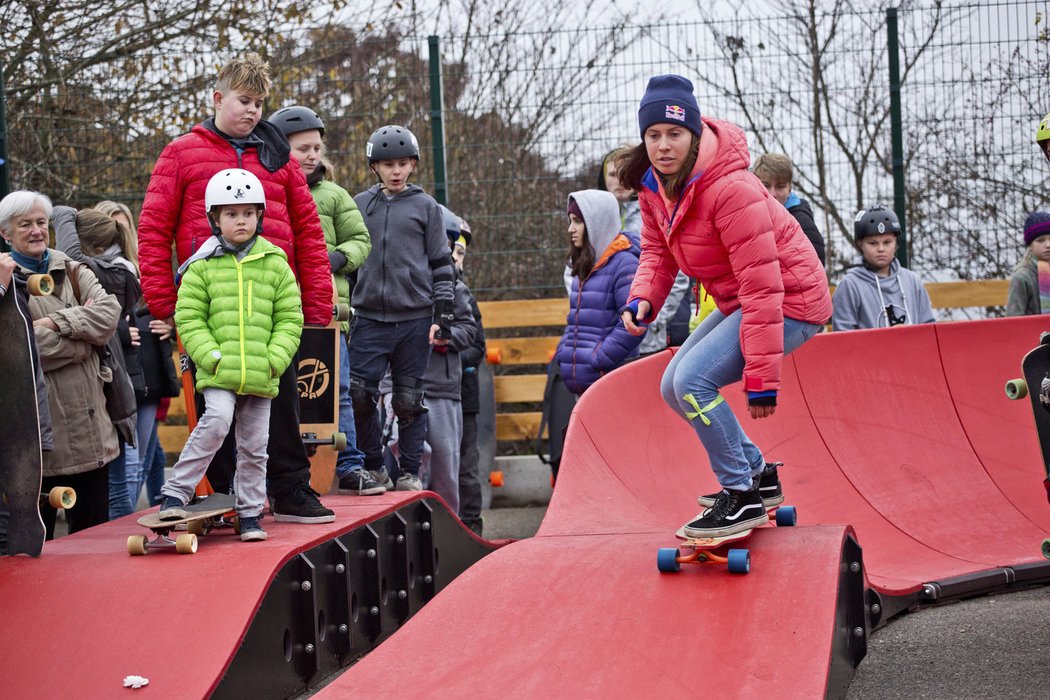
[
  {"x": 740, "y": 243},
  {"x": 174, "y": 210}
]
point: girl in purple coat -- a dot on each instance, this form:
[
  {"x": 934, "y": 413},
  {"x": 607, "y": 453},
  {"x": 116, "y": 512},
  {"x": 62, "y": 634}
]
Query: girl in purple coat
[{"x": 603, "y": 262}]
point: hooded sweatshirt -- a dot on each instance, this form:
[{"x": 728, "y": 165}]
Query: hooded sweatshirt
[
  {"x": 595, "y": 341},
  {"x": 861, "y": 299},
  {"x": 409, "y": 270}
]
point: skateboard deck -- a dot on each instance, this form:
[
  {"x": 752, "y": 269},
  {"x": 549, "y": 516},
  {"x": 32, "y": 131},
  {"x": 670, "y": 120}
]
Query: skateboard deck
[
  {"x": 1036, "y": 386},
  {"x": 717, "y": 550},
  {"x": 201, "y": 517},
  {"x": 22, "y": 460},
  {"x": 318, "y": 383}
]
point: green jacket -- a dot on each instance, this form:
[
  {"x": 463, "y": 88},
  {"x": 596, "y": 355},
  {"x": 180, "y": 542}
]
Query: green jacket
[
  {"x": 240, "y": 320},
  {"x": 344, "y": 230}
]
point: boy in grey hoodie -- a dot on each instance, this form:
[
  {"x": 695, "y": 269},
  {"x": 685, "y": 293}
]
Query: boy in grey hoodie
[
  {"x": 880, "y": 293},
  {"x": 403, "y": 302}
]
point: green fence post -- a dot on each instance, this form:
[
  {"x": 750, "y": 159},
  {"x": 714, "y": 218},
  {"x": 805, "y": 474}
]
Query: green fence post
[
  {"x": 437, "y": 124},
  {"x": 896, "y": 134},
  {"x": 5, "y": 185}
]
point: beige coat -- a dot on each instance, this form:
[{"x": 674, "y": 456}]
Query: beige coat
[{"x": 85, "y": 438}]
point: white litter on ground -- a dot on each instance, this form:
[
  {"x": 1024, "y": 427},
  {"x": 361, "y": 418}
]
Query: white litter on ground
[{"x": 135, "y": 681}]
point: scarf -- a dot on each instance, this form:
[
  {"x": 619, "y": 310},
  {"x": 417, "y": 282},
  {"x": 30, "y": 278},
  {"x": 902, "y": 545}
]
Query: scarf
[{"x": 32, "y": 264}]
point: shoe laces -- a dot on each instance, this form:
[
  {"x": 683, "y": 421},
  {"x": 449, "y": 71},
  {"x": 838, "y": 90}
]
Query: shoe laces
[{"x": 725, "y": 502}]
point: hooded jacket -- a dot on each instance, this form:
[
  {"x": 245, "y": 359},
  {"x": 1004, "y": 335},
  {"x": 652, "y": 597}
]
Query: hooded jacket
[
  {"x": 444, "y": 376},
  {"x": 747, "y": 251},
  {"x": 409, "y": 270},
  {"x": 595, "y": 341},
  {"x": 173, "y": 211},
  {"x": 240, "y": 319},
  {"x": 803, "y": 214},
  {"x": 1023, "y": 299},
  {"x": 862, "y": 297}
]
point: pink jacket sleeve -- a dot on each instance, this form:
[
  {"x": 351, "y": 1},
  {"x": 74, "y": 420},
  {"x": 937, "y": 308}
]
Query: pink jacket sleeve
[{"x": 656, "y": 267}]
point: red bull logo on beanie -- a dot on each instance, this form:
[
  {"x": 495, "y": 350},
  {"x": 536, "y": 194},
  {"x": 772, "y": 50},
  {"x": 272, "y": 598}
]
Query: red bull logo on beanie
[{"x": 674, "y": 112}]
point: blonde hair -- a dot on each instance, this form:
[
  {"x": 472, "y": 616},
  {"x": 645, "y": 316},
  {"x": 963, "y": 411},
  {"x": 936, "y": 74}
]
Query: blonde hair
[
  {"x": 250, "y": 75},
  {"x": 110, "y": 208},
  {"x": 98, "y": 231},
  {"x": 774, "y": 167}
]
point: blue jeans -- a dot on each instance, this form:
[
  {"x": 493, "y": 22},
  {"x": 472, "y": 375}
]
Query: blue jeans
[
  {"x": 119, "y": 499},
  {"x": 710, "y": 359},
  {"x": 154, "y": 470},
  {"x": 351, "y": 458},
  {"x": 404, "y": 347},
  {"x": 138, "y": 459}
]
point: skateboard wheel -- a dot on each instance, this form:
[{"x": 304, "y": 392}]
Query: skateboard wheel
[
  {"x": 40, "y": 285},
  {"x": 62, "y": 497},
  {"x": 786, "y": 516},
  {"x": 341, "y": 312},
  {"x": 496, "y": 479},
  {"x": 1046, "y": 549},
  {"x": 138, "y": 545},
  {"x": 196, "y": 527},
  {"x": 667, "y": 560},
  {"x": 186, "y": 544},
  {"x": 739, "y": 561},
  {"x": 1016, "y": 389},
  {"x": 339, "y": 442}
]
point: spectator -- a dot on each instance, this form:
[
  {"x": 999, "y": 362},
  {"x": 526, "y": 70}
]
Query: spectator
[
  {"x": 173, "y": 212},
  {"x": 777, "y": 174},
  {"x": 1030, "y": 281},
  {"x": 70, "y": 325},
  {"x": 879, "y": 293}
]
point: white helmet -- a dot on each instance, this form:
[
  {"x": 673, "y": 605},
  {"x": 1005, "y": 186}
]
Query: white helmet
[{"x": 233, "y": 186}]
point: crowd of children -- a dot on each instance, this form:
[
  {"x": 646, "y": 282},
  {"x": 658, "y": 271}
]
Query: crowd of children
[{"x": 251, "y": 211}]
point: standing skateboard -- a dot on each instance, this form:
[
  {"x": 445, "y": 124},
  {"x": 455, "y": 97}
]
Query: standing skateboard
[
  {"x": 22, "y": 459},
  {"x": 1036, "y": 384},
  {"x": 203, "y": 516},
  {"x": 717, "y": 550},
  {"x": 318, "y": 382}
]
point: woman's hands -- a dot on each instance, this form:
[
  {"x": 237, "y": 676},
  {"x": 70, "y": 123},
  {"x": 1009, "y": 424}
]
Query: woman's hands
[
  {"x": 7, "y": 269},
  {"x": 762, "y": 411},
  {"x": 629, "y": 319}
]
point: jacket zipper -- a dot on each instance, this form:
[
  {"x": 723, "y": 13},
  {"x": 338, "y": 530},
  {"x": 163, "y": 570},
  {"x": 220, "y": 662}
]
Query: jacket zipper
[{"x": 240, "y": 323}]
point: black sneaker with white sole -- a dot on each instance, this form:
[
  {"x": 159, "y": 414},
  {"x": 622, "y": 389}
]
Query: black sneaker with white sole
[
  {"x": 768, "y": 487},
  {"x": 732, "y": 512},
  {"x": 300, "y": 505},
  {"x": 360, "y": 482}
]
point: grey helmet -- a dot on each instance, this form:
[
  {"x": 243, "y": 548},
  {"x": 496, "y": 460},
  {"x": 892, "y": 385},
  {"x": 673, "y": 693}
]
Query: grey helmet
[
  {"x": 391, "y": 142},
  {"x": 874, "y": 221},
  {"x": 292, "y": 120}
]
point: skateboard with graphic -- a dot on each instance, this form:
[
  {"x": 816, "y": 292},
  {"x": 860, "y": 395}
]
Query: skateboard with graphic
[
  {"x": 1036, "y": 385},
  {"x": 719, "y": 550},
  {"x": 318, "y": 383},
  {"x": 21, "y": 458},
  {"x": 203, "y": 516}
]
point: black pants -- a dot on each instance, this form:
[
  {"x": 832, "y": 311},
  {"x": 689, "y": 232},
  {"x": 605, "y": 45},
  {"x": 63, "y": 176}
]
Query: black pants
[
  {"x": 469, "y": 479},
  {"x": 92, "y": 507},
  {"x": 287, "y": 465}
]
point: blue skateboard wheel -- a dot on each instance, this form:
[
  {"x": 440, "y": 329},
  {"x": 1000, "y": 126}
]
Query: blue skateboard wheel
[
  {"x": 786, "y": 516},
  {"x": 739, "y": 561},
  {"x": 667, "y": 560}
]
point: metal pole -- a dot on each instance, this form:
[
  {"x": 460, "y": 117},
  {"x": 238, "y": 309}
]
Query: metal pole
[
  {"x": 437, "y": 124},
  {"x": 896, "y": 132}
]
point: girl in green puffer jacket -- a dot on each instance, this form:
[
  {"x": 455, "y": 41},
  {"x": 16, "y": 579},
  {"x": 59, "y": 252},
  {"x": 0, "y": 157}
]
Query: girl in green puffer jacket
[{"x": 239, "y": 314}]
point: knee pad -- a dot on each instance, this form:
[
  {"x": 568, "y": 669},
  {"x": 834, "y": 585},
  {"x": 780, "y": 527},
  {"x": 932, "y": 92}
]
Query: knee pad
[
  {"x": 407, "y": 400},
  {"x": 362, "y": 396}
]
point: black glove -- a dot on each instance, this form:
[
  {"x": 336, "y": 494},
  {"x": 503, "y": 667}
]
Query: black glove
[
  {"x": 336, "y": 260},
  {"x": 443, "y": 317}
]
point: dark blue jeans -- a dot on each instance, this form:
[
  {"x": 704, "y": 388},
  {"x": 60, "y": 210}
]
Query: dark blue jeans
[{"x": 404, "y": 348}]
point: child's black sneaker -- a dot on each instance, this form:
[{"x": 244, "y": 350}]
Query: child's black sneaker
[
  {"x": 382, "y": 477},
  {"x": 732, "y": 512},
  {"x": 300, "y": 505},
  {"x": 171, "y": 508},
  {"x": 251, "y": 530},
  {"x": 768, "y": 487},
  {"x": 360, "y": 482}
]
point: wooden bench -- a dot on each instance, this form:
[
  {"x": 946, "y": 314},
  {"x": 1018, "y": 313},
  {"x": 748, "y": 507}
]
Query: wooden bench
[{"x": 506, "y": 323}]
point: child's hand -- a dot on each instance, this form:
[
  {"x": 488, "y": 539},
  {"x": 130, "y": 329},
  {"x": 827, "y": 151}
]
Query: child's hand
[
  {"x": 762, "y": 411},
  {"x": 135, "y": 339},
  {"x": 434, "y": 340},
  {"x": 161, "y": 329},
  {"x": 635, "y": 315}
]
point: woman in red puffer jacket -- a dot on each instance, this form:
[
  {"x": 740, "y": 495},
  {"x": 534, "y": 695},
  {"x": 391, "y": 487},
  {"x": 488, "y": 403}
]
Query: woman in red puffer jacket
[{"x": 705, "y": 214}]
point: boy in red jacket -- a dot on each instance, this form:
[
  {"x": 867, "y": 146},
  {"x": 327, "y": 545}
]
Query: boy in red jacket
[{"x": 173, "y": 213}]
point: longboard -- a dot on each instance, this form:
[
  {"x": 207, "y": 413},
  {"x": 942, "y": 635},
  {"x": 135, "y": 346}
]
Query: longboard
[
  {"x": 202, "y": 517},
  {"x": 716, "y": 550},
  {"x": 318, "y": 383},
  {"x": 1036, "y": 385}
]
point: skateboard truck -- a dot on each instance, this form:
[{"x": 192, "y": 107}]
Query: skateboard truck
[{"x": 312, "y": 442}]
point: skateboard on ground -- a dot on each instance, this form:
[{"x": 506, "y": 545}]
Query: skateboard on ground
[
  {"x": 1036, "y": 384},
  {"x": 22, "y": 459},
  {"x": 717, "y": 550},
  {"x": 318, "y": 383},
  {"x": 203, "y": 516}
]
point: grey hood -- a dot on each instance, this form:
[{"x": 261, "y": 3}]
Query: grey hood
[
  {"x": 601, "y": 215},
  {"x": 862, "y": 297}
]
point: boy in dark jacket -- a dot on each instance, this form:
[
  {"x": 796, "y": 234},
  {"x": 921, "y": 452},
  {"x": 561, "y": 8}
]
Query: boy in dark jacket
[
  {"x": 776, "y": 171},
  {"x": 403, "y": 302}
]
